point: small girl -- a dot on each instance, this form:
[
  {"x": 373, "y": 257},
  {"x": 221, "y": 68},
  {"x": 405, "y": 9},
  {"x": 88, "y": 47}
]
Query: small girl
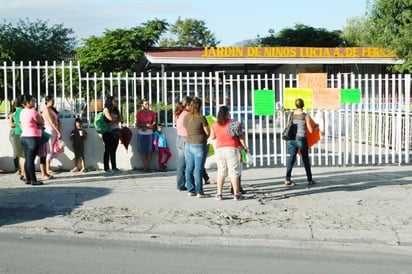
[
  {"x": 78, "y": 136},
  {"x": 160, "y": 143}
]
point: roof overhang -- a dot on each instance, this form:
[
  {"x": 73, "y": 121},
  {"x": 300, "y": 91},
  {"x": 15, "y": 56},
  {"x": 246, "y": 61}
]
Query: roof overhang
[{"x": 268, "y": 61}]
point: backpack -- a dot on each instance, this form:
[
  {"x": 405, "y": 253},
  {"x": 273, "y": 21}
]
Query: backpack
[
  {"x": 100, "y": 123},
  {"x": 235, "y": 128}
]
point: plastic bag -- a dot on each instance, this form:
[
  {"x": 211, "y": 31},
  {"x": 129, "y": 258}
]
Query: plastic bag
[
  {"x": 58, "y": 146},
  {"x": 247, "y": 157}
]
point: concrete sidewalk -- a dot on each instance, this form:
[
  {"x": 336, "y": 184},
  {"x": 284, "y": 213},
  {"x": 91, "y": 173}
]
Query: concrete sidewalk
[{"x": 364, "y": 207}]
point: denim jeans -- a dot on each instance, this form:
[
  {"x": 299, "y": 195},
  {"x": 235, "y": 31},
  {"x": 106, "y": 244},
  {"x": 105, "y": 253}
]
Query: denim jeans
[
  {"x": 30, "y": 148},
  {"x": 181, "y": 164},
  {"x": 195, "y": 160},
  {"x": 293, "y": 147}
]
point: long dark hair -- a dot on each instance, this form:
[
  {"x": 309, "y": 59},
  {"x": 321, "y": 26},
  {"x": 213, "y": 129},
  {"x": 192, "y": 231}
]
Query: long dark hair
[
  {"x": 178, "y": 109},
  {"x": 109, "y": 104},
  {"x": 47, "y": 99},
  {"x": 27, "y": 98},
  {"x": 19, "y": 100},
  {"x": 195, "y": 107},
  {"x": 222, "y": 115},
  {"x": 186, "y": 101}
]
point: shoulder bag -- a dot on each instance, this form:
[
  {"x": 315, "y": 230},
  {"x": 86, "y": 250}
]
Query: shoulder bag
[{"x": 287, "y": 132}]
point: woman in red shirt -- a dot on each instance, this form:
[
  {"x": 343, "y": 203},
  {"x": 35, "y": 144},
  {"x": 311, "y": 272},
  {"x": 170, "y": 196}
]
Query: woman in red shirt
[
  {"x": 145, "y": 121},
  {"x": 227, "y": 152}
]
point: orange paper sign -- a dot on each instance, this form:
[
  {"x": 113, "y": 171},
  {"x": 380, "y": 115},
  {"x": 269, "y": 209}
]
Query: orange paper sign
[
  {"x": 312, "y": 80},
  {"x": 326, "y": 98}
]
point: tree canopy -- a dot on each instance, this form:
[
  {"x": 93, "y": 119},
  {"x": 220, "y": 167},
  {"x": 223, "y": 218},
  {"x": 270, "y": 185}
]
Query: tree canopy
[
  {"x": 117, "y": 50},
  {"x": 302, "y": 35},
  {"x": 387, "y": 23},
  {"x": 35, "y": 41},
  {"x": 355, "y": 32},
  {"x": 391, "y": 26},
  {"x": 189, "y": 33}
]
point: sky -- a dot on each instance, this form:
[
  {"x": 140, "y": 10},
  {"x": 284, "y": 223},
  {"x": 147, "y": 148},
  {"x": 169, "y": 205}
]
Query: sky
[{"x": 231, "y": 21}]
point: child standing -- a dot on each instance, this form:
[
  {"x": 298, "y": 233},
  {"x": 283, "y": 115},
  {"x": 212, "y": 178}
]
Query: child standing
[
  {"x": 78, "y": 136},
  {"x": 160, "y": 143}
]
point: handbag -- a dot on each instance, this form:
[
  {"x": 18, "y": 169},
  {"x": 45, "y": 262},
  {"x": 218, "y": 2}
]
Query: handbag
[
  {"x": 45, "y": 137},
  {"x": 287, "y": 131}
]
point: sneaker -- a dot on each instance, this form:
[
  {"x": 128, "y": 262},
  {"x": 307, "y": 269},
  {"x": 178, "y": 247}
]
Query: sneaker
[
  {"x": 108, "y": 172},
  {"x": 116, "y": 170},
  {"x": 202, "y": 196},
  {"x": 75, "y": 169},
  {"x": 219, "y": 197},
  {"x": 37, "y": 183},
  {"x": 191, "y": 194},
  {"x": 238, "y": 197}
]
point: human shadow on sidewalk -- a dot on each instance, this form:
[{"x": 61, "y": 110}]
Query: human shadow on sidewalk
[
  {"x": 352, "y": 180},
  {"x": 25, "y": 204},
  {"x": 100, "y": 176}
]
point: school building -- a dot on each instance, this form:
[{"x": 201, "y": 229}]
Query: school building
[
  {"x": 270, "y": 60},
  {"x": 375, "y": 130}
]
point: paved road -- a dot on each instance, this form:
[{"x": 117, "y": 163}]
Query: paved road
[
  {"x": 50, "y": 254},
  {"x": 363, "y": 208}
]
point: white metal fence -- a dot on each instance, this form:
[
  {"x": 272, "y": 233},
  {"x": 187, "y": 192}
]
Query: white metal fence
[{"x": 376, "y": 131}]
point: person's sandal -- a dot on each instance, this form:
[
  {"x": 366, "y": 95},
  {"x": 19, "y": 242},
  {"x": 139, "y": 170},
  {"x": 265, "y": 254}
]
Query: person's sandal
[
  {"x": 47, "y": 177},
  {"x": 290, "y": 183}
]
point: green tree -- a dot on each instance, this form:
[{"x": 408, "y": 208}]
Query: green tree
[
  {"x": 189, "y": 33},
  {"x": 305, "y": 36},
  {"x": 4, "y": 54},
  {"x": 390, "y": 26},
  {"x": 355, "y": 33},
  {"x": 35, "y": 41},
  {"x": 117, "y": 50}
]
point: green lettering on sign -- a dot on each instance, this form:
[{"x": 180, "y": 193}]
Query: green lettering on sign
[{"x": 264, "y": 102}]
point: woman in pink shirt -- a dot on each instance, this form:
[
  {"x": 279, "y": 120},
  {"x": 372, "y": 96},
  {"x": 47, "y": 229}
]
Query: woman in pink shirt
[
  {"x": 181, "y": 111},
  {"x": 51, "y": 126},
  {"x": 31, "y": 123},
  {"x": 227, "y": 152}
]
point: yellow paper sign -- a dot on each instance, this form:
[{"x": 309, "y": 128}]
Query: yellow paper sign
[{"x": 291, "y": 94}]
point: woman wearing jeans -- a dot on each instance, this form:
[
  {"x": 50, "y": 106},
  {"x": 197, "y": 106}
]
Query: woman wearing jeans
[
  {"x": 197, "y": 133},
  {"x": 31, "y": 123},
  {"x": 300, "y": 121},
  {"x": 182, "y": 109}
]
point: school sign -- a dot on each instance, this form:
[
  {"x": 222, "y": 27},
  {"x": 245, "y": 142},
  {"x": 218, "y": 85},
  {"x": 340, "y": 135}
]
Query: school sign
[{"x": 297, "y": 52}]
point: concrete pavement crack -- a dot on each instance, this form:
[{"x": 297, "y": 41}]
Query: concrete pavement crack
[{"x": 311, "y": 232}]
